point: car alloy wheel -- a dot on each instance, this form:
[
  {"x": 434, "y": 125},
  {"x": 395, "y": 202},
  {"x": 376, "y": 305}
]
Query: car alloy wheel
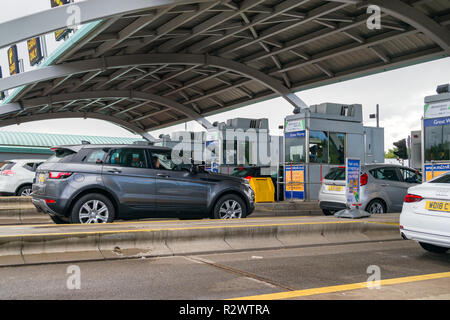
[
  {"x": 230, "y": 209},
  {"x": 376, "y": 207},
  {"x": 93, "y": 211},
  {"x": 26, "y": 192}
]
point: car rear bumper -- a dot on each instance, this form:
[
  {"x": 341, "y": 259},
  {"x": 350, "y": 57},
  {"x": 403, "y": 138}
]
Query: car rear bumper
[
  {"x": 426, "y": 228},
  {"x": 332, "y": 206},
  {"x": 42, "y": 206}
]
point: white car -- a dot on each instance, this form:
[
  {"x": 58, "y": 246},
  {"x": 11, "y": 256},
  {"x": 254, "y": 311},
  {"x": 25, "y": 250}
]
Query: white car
[
  {"x": 425, "y": 217},
  {"x": 16, "y": 177}
]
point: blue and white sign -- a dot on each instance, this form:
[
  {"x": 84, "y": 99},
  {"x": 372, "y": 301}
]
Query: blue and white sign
[
  {"x": 297, "y": 134},
  {"x": 352, "y": 179},
  {"x": 437, "y": 122}
]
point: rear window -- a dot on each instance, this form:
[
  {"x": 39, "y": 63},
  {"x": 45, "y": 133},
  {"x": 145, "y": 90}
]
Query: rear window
[
  {"x": 442, "y": 179},
  {"x": 62, "y": 155},
  {"x": 7, "y": 166},
  {"x": 336, "y": 174}
]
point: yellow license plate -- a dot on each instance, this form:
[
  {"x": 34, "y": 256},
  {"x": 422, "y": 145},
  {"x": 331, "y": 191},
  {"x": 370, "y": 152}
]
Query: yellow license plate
[
  {"x": 41, "y": 178},
  {"x": 335, "y": 188},
  {"x": 438, "y": 206}
]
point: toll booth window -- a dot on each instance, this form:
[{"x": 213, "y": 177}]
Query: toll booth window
[
  {"x": 134, "y": 158},
  {"x": 318, "y": 147},
  {"x": 295, "y": 150},
  {"x": 337, "y": 148},
  {"x": 437, "y": 143}
]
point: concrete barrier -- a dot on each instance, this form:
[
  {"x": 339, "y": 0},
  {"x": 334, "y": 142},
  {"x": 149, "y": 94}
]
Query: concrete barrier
[
  {"x": 185, "y": 240},
  {"x": 21, "y": 213}
]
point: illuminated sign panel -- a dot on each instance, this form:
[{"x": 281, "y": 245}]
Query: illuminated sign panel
[
  {"x": 13, "y": 60},
  {"x": 60, "y": 34},
  {"x": 34, "y": 51},
  {"x": 2, "y": 94}
]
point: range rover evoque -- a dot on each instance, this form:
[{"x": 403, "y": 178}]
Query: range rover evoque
[{"x": 102, "y": 183}]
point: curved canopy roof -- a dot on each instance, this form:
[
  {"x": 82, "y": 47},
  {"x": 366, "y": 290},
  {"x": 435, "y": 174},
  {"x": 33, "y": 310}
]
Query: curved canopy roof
[{"x": 182, "y": 60}]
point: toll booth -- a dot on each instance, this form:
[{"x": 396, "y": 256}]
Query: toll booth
[
  {"x": 319, "y": 138},
  {"x": 436, "y": 133},
  {"x": 240, "y": 142}
]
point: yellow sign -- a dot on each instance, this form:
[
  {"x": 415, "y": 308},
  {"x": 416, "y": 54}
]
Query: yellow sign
[
  {"x": 34, "y": 51},
  {"x": 438, "y": 206},
  {"x": 13, "y": 60},
  {"x": 60, "y": 34},
  {"x": 298, "y": 179}
]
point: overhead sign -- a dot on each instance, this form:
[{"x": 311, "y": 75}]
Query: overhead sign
[
  {"x": 294, "y": 177},
  {"x": 60, "y": 34},
  {"x": 433, "y": 171},
  {"x": 352, "y": 179},
  {"x": 2, "y": 94},
  {"x": 13, "y": 60},
  {"x": 295, "y": 125},
  {"x": 437, "y": 110},
  {"x": 34, "y": 51},
  {"x": 436, "y": 122},
  {"x": 298, "y": 134}
]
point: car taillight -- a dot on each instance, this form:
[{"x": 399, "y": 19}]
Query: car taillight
[
  {"x": 248, "y": 178},
  {"x": 7, "y": 173},
  {"x": 412, "y": 198},
  {"x": 59, "y": 175},
  {"x": 50, "y": 201},
  {"x": 364, "y": 179}
]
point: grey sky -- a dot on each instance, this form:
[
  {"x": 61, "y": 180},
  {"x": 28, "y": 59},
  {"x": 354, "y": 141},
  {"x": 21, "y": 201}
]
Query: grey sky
[{"x": 400, "y": 94}]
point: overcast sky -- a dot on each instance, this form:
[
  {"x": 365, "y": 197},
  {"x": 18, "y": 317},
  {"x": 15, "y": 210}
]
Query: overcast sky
[{"x": 400, "y": 94}]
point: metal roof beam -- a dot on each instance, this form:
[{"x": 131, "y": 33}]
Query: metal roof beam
[
  {"x": 61, "y": 115},
  {"x": 277, "y": 10},
  {"x": 56, "y": 18},
  {"x": 174, "y": 24},
  {"x": 416, "y": 18},
  {"x": 218, "y": 19},
  {"x": 272, "y": 31}
]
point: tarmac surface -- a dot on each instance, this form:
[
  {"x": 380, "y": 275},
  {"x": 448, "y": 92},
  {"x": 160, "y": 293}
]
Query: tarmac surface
[{"x": 297, "y": 273}]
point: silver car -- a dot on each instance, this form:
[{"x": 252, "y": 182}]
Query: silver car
[{"x": 383, "y": 188}]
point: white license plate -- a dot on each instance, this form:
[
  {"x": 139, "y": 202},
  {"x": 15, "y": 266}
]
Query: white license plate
[{"x": 335, "y": 188}]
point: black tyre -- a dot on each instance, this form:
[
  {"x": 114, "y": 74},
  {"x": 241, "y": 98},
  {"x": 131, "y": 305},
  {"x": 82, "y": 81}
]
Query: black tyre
[
  {"x": 58, "y": 220},
  {"x": 93, "y": 208},
  {"x": 25, "y": 191},
  {"x": 376, "y": 206},
  {"x": 327, "y": 212},
  {"x": 433, "y": 248},
  {"x": 230, "y": 206}
]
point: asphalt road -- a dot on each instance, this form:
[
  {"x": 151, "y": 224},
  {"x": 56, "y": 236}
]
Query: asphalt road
[{"x": 281, "y": 274}]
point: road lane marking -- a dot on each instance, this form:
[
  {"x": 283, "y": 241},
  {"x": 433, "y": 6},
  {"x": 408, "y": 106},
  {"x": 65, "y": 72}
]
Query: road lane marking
[
  {"x": 340, "y": 288},
  {"x": 174, "y": 229}
]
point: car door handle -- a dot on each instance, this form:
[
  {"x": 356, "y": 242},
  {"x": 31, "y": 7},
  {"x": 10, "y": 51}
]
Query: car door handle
[
  {"x": 384, "y": 185},
  {"x": 162, "y": 175},
  {"x": 115, "y": 171}
]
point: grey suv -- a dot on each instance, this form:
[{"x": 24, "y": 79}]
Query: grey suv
[{"x": 102, "y": 183}]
